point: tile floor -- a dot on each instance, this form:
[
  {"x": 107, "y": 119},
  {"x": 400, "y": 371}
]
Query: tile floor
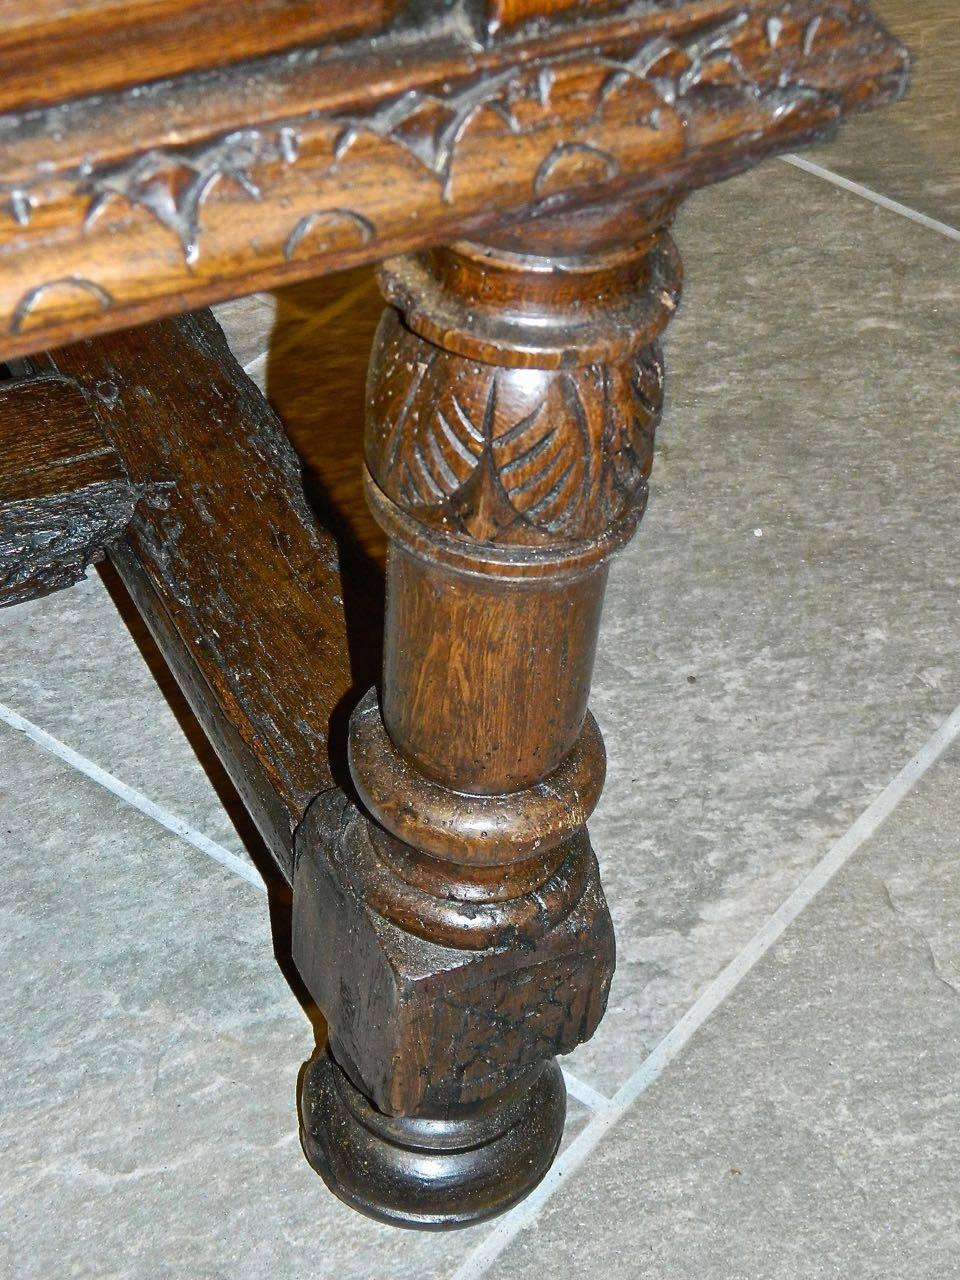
[{"x": 774, "y": 1092}]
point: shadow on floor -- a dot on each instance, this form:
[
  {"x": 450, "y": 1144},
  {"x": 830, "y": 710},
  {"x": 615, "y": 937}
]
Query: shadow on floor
[{"x": 316, "y": 375}]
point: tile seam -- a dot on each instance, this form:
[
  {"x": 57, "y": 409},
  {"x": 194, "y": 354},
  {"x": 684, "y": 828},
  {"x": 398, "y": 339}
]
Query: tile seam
[
  {"x": 874, "y": 197},
  {"x": 129, "y": 795},
  {"x": 579, "y": 1089},
  {"x": 478, "y": 1263},
  {"x": 583, "y": 1092}
]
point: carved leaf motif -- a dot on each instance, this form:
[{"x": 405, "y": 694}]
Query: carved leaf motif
[
  {"x": 429, "y": 125},
  {"x": 72, "y": 296},
  {"x": 512, "y": 455},
  {"x": 318, "y": 231}
]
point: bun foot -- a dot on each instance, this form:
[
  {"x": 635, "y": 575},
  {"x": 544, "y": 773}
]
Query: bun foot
[{"x": 429, "y": 1173}]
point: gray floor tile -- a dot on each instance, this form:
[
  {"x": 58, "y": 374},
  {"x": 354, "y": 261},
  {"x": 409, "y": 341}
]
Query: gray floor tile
[
  {"x": 149, "y": 1061},
  {"x": 782, "y": 634},
  {"x": 756, "y": 692},
  {"x": 72, "y": 667},
  {"x": 811, "y": 1127},
  {"x": 248, "y": 323},
  {"x": 911, "y": 151}
]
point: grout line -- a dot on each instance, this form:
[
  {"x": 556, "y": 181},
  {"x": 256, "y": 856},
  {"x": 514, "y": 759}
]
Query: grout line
[
  {"x": 583, "y": 1092},
  {"x": 477, "y": 1263},
  {"x": 256, "y": 365},
  {"x": 867, "y": 193},
  {"x": 577, "y": 1088},
  {"x": 135, "y": 798}
]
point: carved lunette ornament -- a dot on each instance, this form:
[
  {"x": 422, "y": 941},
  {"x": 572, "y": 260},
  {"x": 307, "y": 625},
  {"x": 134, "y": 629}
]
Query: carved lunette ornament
[{"x": 334, "y": 172}]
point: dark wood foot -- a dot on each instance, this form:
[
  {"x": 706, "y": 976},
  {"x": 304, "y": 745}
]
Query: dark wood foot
[
  {"x": 444, "y": 1040},
  {"x": 449, "y": 919},
  {"x": 464, "y": 1167}
]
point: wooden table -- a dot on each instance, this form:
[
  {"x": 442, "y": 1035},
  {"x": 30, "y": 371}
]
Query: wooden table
[{"x": 514, "y": 165}]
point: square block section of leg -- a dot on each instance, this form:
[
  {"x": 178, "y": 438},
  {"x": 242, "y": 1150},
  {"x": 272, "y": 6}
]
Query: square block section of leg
[{"x": 422, "y": 1027}]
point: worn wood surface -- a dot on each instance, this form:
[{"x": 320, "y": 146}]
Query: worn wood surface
[
  {"x": 64, "y": 493},
  {"x": 505, "y": 13},
  {"x": 224, "y": 559},
  {"x": 515, "y": 166},
  {"x": 56, "y": 49},
  {"x": 126, "y": 206},
  {"x": 511, "y": 409}
]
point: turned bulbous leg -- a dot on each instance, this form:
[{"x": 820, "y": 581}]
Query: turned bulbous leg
[{"x": 449, "y": 920}]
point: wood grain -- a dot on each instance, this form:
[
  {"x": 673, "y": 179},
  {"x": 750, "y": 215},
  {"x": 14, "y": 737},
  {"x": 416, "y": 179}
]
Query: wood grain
[
  {"x": 64, "y": 493},
  {"x": 239, "y": 586},
  {"x": 506, "y": 13},
  {"x": 137, "y": 205},
  {"x": 511, "y": 407},
  {"x": 515, "y": 167},
  {"x": 56, "y": 49}
]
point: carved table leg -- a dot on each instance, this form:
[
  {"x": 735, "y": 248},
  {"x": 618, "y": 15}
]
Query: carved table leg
[{"x": 452, "y": 926}]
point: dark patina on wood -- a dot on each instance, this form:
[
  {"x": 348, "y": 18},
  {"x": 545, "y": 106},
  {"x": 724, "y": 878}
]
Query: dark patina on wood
[
  {"x": 512, "y": 405},
  {"x": 56, "y": 49},
  {"x": 135, "y": 204},
  {"x": 238, "y": 584},
  {"x": 64, "y": 493},
  {"x": 516, "y": 165}
]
